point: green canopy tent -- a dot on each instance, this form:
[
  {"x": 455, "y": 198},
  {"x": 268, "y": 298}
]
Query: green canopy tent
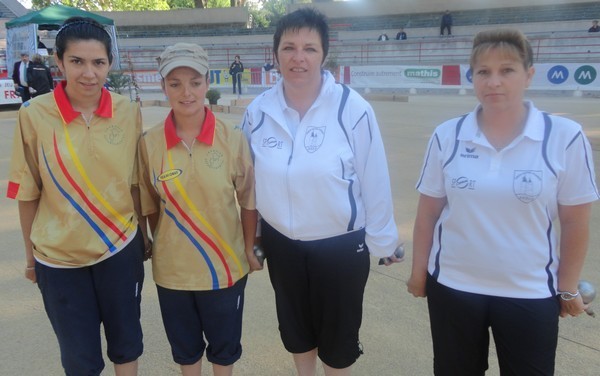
[{"x": 22, "y": 31}]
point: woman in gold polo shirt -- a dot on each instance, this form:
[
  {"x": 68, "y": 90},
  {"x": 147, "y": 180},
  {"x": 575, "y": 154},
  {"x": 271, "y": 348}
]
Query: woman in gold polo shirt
[
  {"x": 195, "y": 170},
  {"x": 72, "y": 171}
]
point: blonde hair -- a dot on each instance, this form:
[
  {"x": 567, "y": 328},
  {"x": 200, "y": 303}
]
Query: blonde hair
[
  {"x": 510, "y": 41},
  {"x": 37, "y": 58}
]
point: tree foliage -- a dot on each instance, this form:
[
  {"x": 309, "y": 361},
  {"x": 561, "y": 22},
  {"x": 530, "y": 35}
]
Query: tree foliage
[
  {"x": 110, "y": 5},
  {"x": 105, "y": 5}
]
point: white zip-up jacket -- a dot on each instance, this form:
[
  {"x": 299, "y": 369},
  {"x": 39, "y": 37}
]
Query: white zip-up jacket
[{"x": 332, "y": 177}]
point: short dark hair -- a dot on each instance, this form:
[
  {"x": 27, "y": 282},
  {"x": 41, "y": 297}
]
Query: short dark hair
[
  {"x": 82, "y": 28},
  {"x": 298, "y": 19}
]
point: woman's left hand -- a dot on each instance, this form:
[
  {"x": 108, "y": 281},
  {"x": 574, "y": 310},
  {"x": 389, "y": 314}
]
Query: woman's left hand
[
  {"x": 253, "y": 261},
  {"x": 573, "y": 307}
]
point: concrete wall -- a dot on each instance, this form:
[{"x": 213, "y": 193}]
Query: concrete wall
[{"x": 235, "y": 15}]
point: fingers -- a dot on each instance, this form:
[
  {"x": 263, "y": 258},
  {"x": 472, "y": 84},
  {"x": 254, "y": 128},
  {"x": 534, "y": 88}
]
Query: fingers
[{"x": 30, "y": 274}]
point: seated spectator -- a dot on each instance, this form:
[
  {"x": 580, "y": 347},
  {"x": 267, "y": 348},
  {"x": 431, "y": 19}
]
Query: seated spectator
[
  {"x": 401, "y": 35},
  {"x": 595, "y": 28},
  {"x": 383, "y": 37},
  {"x": 268, "y": 66}
]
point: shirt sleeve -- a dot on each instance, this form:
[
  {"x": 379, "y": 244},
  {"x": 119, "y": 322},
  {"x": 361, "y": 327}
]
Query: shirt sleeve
[
  {"x": 372, "y": 170},
  {"x": 148, "y": 196},
  {"x": 244, "y": 177},
  {"x": 24, "y": 181},
  {"x": 577, "y": 181},
  {"x": 431, "y": 179}
]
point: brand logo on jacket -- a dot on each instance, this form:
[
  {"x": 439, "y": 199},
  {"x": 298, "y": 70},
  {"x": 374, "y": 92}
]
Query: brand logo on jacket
[
  {"x": 463, "y": 182},
  {"x": 272, "y": 143},
  {"x": 169, "y": 174},
  {"x": 313, "y": 138},
  {"x": 469, "y": 153}
]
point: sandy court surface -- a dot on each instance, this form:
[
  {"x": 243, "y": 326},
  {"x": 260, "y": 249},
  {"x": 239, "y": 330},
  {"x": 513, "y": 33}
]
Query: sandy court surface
[{"x": 395, "y": 332}]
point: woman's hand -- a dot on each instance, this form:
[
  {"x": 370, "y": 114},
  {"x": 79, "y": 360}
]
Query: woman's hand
[
  {"x": 253, "y": 261},
  {"x": 416, "y": 286},
  {"x": 573, "y": 307},
  {"x": 148, "y": 250},
  {"x": 30, "y": 274}
]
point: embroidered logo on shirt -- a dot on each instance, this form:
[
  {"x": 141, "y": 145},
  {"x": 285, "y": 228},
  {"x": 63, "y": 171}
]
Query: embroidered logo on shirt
[
  {"x": 527, "y": 184},
  {"x": 272, "y": 142},
  {"x": 214, "y": 159},
  {"x": 469, "y": 153},
  {"x": 114, "y": 135},
  {"x": 313, "y": 139},
  {"x": 169, "y": 174},
  {"x": 463, "y": 183}
]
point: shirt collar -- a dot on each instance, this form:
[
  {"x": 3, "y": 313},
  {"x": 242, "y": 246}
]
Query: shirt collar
[
  {"x": 105, "y": 108},
  {"x": 532, "y": 129},
  {"x": 206, "y": 135}
]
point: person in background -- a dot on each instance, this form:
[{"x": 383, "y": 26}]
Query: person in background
[
  {"x": 595, "y": 28},
  {"x": 73, "y": 173},
  {"x": 39, "y": 77},
  {"x": 40, "y": 44},
  {"x": 235, "y": 71},
  {"x": 268, "y": 66},
  {"x": 383, "y": 37},
  {"x": 323, "y": 192},
  {"x": 446, "y": 23},
  {"x": 401, "y": 35},
  {"x": 502, "y": 223},
  {"x": 19, "y": 77},
  {"x": 195, "y": 170}
]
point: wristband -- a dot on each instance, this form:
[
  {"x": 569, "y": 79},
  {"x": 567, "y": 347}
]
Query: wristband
[{"x": 566, "y": 295}]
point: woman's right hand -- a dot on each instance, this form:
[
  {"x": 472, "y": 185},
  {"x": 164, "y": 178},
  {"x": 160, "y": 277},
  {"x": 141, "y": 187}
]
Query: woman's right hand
[
  {"x": 30, "y": 274},
  {"x": 416, "y": 286}
]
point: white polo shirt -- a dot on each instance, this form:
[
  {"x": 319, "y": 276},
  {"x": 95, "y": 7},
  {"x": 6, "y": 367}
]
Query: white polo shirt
[
  {"x": 497, "y": 234},
  {"x": 331, "y": 176}
]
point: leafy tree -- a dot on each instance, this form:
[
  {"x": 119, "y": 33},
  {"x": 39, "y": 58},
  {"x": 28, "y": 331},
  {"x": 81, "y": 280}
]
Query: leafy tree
[
  {"x": 109, "y": 5},
  {"x": 106, "y": 5}
]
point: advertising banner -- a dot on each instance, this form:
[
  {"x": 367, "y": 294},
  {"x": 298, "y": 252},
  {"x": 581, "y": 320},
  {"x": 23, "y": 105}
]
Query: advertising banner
[
  {"x": 395, "y": 76},
  {"x": 7, "y": 93},
  {"x": 568, "y": 76}
]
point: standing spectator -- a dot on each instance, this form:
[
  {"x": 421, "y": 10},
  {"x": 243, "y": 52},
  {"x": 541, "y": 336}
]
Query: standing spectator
[
  {"x": 401, "y": 35},
  {"x": 40, "y": 44},
  {"x": 73, "y": 173},
  {"x": 39, "y": 77},
  {"x": 446, "y": 23},
  {"x": 235, "y": 71},
  {"x": 595, "y": 28},
  {"x": 323, "y": 192},
  {"x": 502, "y": 223},
  {"x": 383, "y": 37},
  {"x": 19, "y": 76},
  {"x": 203, "y": 245}
]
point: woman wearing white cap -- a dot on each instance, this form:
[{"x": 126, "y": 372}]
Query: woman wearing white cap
[{"x": 194, "y": 169}]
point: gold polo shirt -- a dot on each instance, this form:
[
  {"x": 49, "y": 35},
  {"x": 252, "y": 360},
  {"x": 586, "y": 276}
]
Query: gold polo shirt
[
  {"x": 198, "y": 242},
  {"x": 81, "y": 174}
]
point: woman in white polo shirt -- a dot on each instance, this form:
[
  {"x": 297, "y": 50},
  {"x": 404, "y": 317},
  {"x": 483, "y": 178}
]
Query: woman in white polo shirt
[{"x": 494, "y": 186}]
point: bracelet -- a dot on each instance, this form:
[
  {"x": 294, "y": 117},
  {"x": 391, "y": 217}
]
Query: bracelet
[
  {"x": 566, "y": 295},
  {"x": 30, "y": 268}
]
